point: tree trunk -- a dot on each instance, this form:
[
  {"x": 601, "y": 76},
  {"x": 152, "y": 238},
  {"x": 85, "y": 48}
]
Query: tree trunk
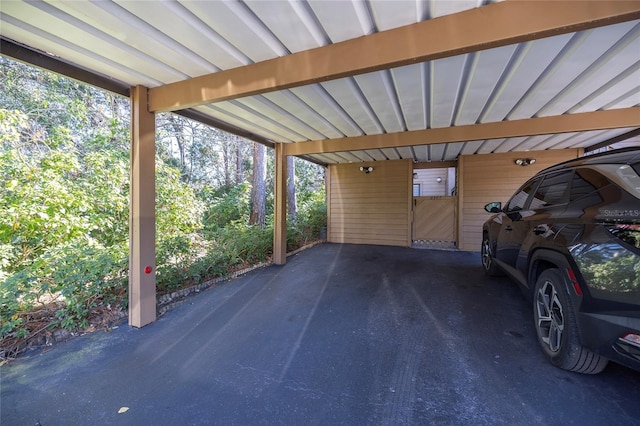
[
  {"x": 291, "y": 188},
  {"x": 226, "y": 158},
  {"x": 258, "y": 193},
  {"x": 238, "y": 162}
]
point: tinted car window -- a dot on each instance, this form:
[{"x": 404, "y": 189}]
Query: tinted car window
[
  {"x": 519, "y": 199},
  {"x": 552, "y": 190},
  {"x": 586, "y": 182}
]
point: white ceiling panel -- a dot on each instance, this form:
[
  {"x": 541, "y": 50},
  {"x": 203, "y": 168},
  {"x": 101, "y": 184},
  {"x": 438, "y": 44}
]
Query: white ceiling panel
[
  {"x": 289, "y": 111},
  {"x": 446, "y": 78},
  {"x": 352, "y": 21},
  {"x": 319, "y": 100},
  {"x": 289, "y": 22},
  {"x": 483, "y": 73},
  {"x": 436, "y": 152},
  {"x": 508, "y": 144},
  {"x": 614, "y": 94},
  {"x": 527, "y": 64},
  {"x": 421, "y": 153},
  {"x": 489, "y": 146},
  {"x": 411, "y": 86},
  {"x": 452, "y": 151},
  {"x": 583, "y": 51},
  {"x": 245, "y": 109},
  {"x": 82, "y": 57},
  {"x": 380, "y": 94},
  {"x": 155, "y": 43},
  {"x": 393, "y": 14},
  {"x": 184, "y": 34},
  {"x": 349, "y": 96},
  {"x": 391, "y": 154},
  {"x": 376, "y": 154},
  {"x": 406, "y": 152},
  {"x": 227, "y": 116},
  {"x": 603, "y": 74},
  {"x": 471, "y": 147},
  {"x": 141, "y": 36},
  {"x": 442, "y": 8},
  {"x": 236, "y": 23}
]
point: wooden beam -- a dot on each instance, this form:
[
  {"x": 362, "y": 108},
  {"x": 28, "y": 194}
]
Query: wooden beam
[
  {"x": 486, "y": 27},
  {"x": 582, "y": 122},
  {"x": 280, "y": 207},
  {"x": 142, "y": 234}
]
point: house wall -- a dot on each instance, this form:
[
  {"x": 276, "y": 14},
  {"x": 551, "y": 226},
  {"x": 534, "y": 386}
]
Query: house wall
[
  {"x": 370, "y": 208},
  {"x": 485, "y": 178},
  {"x": 429, "y": 186}
]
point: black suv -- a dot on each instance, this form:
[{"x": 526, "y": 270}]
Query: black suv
[{"x": 570, "y": 237}]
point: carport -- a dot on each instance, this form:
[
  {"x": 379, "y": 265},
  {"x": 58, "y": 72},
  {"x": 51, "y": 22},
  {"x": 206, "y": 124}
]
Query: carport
[
  {"x": 372, "y": 89},
  {"x": 343, "y": 334}
]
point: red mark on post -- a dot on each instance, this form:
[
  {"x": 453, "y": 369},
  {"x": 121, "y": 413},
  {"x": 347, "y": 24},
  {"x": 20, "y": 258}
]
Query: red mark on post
[{"x": 147, "y": 269}]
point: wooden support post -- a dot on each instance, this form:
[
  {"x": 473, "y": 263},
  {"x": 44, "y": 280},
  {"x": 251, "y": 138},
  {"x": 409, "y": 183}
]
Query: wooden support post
[
  {"x": 280, "y": 207},
  {"x": 142, "y": 226}
]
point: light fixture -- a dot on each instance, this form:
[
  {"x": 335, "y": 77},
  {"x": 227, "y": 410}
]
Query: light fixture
[
  {"x": 525, "y": 161},
  {"x": 438, "y": 179},
  {"x": 366, "y": 169}
]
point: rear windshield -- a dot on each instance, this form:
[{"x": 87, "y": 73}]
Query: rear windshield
[{"x": 627, "y": 177}]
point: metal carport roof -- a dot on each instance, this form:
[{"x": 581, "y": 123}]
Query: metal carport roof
[{"x": 351, "y": 81}]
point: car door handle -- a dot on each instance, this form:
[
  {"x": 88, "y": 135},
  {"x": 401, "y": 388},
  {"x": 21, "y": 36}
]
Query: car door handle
[
  {"x": 508, "y": 228},
  {"x": 539, "y": 230}
]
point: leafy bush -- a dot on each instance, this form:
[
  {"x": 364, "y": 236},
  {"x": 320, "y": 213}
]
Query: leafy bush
[
  {"x": 64, "y": 219},
  {"x": 311, "y": 219},
  {"x": 225, "y": 205}
]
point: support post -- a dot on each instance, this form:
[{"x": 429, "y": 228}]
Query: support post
[
  {"x": 142, "y": 226},
  {"x": 280, "y": 207}
]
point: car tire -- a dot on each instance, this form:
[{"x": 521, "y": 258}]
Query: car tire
[
  {"x": 488, "y": 262},
  {"x": 557, "y": 329}
]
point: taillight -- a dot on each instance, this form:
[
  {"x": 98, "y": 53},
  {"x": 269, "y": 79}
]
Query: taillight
[{"x": 633, "y": 339}]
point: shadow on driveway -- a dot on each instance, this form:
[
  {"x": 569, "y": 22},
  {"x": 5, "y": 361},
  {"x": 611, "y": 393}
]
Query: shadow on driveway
[{"x": 343, "y": 334}]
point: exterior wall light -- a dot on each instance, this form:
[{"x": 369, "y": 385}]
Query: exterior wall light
[
  {"x": 438, "y": 179},
  {"x": 366, "y": 169},
  {"x": 525, "y": 161}
]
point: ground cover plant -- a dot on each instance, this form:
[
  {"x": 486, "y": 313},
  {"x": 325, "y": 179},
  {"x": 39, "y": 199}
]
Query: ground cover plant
[{"x": 64, "y": 210}]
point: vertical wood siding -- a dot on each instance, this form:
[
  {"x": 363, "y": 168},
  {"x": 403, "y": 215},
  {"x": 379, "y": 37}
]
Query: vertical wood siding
[
  {"x": 370, "y": 208},
  {"x": 434, "y": 218},
  {"x": 484, "y": 178}
]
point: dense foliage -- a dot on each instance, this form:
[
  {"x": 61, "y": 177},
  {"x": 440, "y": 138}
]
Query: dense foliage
[{"x": 64, "y": 210}]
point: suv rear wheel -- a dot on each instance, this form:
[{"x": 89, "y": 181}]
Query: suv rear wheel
[{"x": 556, "y": 327}]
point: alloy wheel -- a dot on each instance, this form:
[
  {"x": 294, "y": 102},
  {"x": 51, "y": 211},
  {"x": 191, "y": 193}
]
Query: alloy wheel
[
  {"x": 487, "y": 259},
  {"x": 550, "y": 317}
]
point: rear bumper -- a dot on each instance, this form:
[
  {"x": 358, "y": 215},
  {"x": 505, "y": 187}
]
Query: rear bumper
[{"x": 602, "y": 332}]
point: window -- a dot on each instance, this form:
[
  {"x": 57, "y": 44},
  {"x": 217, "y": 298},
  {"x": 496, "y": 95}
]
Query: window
[
  {"x": 585, "y": 182},
  {"x": 416, "y": 189},
  {"x": 519, "y": 200},
  {"x": 552, "y": 190}
]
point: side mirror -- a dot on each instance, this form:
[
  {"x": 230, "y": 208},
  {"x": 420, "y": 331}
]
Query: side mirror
[{"x": 495, "y": 207}]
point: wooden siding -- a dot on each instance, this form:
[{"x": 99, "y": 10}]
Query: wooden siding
[
  {"x": 484, "y": 178},
  {"x": 370, "y": 208}
]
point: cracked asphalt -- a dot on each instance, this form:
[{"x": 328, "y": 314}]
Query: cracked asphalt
[{"x": 341, "y": 335}]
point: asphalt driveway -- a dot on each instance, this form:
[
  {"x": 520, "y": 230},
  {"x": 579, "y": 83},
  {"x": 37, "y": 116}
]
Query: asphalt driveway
[{"x": 341, "y": 335}]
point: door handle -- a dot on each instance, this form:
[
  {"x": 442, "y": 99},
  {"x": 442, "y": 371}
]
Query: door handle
[{"x": 539, "y": 230}]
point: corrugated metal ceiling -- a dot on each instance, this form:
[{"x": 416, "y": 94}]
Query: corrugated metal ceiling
[{"x": 155, "y": 43}]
